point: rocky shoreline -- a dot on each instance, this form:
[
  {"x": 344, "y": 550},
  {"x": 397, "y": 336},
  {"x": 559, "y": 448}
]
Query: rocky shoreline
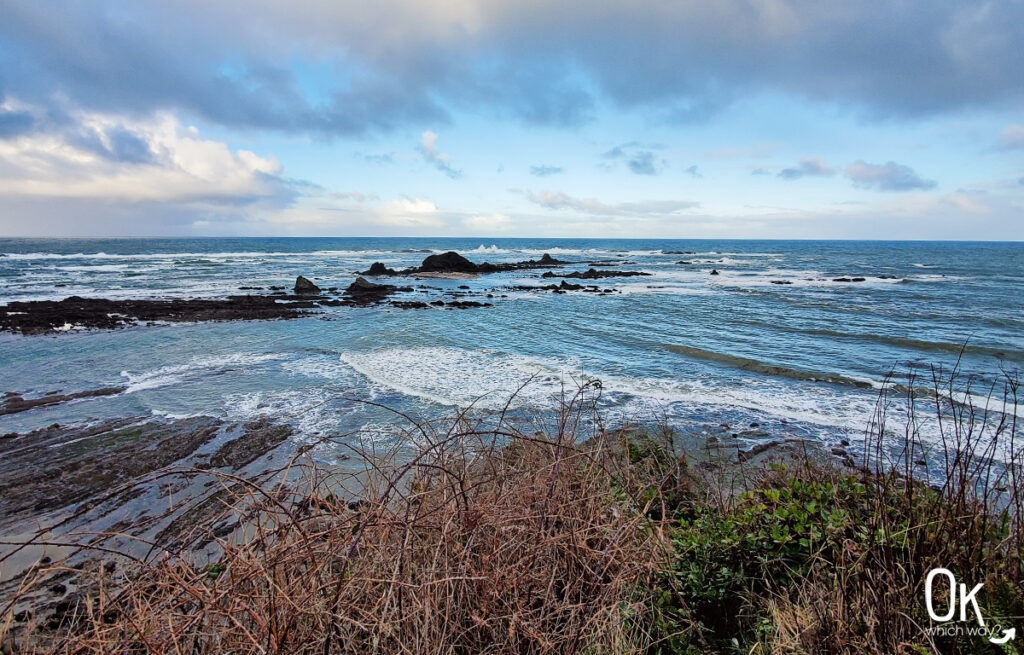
[
  {"x": 168, "y": 486},
  {"x": 77, "y": 313}
]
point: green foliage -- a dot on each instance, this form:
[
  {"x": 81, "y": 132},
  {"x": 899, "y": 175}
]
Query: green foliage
[
  {"x": 214, "y": 570},
  {"x": 808, "y": 530}
]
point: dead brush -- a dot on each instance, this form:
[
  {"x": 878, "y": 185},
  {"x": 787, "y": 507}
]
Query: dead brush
[{"x": 484, "y": 541}]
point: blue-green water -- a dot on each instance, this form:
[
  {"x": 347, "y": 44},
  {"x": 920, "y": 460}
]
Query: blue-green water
[{"x": 681, "y": 346}]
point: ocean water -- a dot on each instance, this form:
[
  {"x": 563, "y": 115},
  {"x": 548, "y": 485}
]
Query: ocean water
[{"x": 681, "y": 346}]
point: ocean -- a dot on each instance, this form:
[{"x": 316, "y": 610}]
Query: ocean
[{"x": 776, "y": 338}]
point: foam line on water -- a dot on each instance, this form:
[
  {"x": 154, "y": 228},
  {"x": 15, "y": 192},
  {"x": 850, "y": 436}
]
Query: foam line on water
[
  {"x": 195, "y": 368},
  {"x": 452, "y": 377}
]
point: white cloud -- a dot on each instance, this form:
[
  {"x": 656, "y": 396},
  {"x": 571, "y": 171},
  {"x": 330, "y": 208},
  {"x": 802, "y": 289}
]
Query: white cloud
[
  {"x": 487, "y": 223},
  {"x": 167, "y": 163},
  {"x": 436, "y": 158},
  {"x": 808, "y": 167},
  {"x": 593, "y": 206}
]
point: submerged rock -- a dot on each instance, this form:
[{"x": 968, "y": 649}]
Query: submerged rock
[
  {"x": 44, "y": 316},
  {"x": 12, "y": 403},
  {"x": 594, "y": 274}
]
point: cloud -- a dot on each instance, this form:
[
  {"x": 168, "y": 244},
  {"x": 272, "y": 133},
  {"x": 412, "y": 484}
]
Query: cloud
[
  {"x": 643, "y": 163},
  {"x": 350, "y": 68},
  {"x": 409, "y": 212},
  {"x": 545, "y": 171},
  {"x": 487, "y": 224},
  {"x": 558, "y": 200},
  {"x": 886, "y": 177},
  {"x": 1012, "y": 137},
  {"x": 117, "y": 160},
  {"x": 638, "y": 157},
  {"x": 694, "y": 172},
  {"x": 808, "y": 166},
  {"x": 437, "y": 159}
]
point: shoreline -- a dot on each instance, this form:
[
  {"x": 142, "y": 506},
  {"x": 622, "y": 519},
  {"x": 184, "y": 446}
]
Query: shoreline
[{"x": 666, "y": 520}]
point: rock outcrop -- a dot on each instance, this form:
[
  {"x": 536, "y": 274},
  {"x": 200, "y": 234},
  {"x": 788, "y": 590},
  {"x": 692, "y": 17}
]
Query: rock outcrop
[
  {"x": 594, "y": 274},
  {"x": 364, "y": 292},
  {"x": 304, "y": 286}
]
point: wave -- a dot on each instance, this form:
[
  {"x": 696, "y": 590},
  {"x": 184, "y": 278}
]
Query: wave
[
  {"x": 756, "y": 366},
  {"x": 460, "y": 378},
  {"x": 927, "y": 346},
  {"x": 197, "y": 367},
  {"x": 199, "y": 255}
]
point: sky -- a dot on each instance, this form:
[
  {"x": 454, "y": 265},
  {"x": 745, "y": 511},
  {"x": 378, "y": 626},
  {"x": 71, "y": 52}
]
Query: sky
[{"x": 830, "y": 119}]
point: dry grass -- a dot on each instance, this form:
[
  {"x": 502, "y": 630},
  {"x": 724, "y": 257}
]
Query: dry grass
[
  {"x": 540, "y": 545},
  {"x": 576, "y": 540}
]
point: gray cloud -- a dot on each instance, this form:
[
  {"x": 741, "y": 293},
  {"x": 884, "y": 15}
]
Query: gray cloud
[
  {"x": 638, "y": 157},
  {"x": 886, "y": 177},
  {"x": 545, "y": 171},
  {"x": 113, "y": 142},
  {"x": 15, "y": 123},
  {"x": 643, "y": 163},
  {"x": 693, "y": 172},
  {"x": 400, "y": 63},
  {"x": 808, "y": 166}
]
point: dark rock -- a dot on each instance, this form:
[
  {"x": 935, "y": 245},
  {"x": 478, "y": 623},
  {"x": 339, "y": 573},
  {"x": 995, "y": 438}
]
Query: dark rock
[
  {"x": 594, "y": 274},
  {"x": 757, "y": 450},
  {"x": 466, "y": 304},
  {"x": 68, "y": 611},
  {"x": 45, "y": 316},
  {"x": 58, "y": 589},
  {"x": 463, "y": 286},
  {"x": 378, "y": 268},
  {"x": 302, "y": 285},
  {"x": 14, "y": 403},
  {"x": 848, "y": 279},
  {"x": 363, "y": 292},
  {"x": 413, "y": 304},
  {"x": 714, "y": 272},
  {"x": 781, "y": 282},
  {"x": 449, "y": 262}
]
